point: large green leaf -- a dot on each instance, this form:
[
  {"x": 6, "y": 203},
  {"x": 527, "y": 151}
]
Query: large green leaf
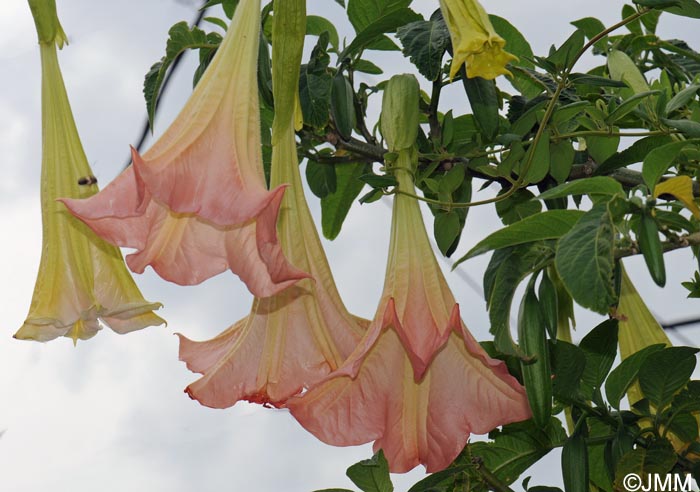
[
  {"x": 551, "y": 224},
  {"x": 568, "y": 364},
  {"x": 507, "y": 268},
  {"x": 315, "y": 84},
  {"x": 483, "y": 99},
  {"x": 516, "y": 447},
  {"x": 665, "y": 372},
  {"x": 425, "y": 43},
  {"x": 387, "y": 23},
  {"x": 622, "y": 377},
  {"x": 585, "y": 260},
  {"x": 371, "y": 475},
  {"x": 600, "y": 347},
  {"x": 335, "y": 206}
]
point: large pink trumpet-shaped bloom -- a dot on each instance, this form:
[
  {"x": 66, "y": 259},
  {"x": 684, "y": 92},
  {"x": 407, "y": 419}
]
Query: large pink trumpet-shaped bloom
[
  {"x": 82, "y": 280},
  {"x": 418, "y": 384},
  {"x": 293, "y": 339},
  {"x": 195, "y": 204}
]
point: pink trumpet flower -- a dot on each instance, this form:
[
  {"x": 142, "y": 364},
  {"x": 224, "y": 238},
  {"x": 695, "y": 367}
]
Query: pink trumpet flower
[
  {"x": 82, "y": 280},
  {"x": 195, "y": 204},
  {"x": 418, "y": 383},
  {"x": 293, "y": 339}
]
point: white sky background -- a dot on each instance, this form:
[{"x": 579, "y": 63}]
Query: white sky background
[{"x": 111, "y": 414}]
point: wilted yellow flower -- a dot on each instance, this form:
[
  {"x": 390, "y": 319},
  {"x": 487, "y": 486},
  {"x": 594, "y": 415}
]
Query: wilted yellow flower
[
  {"x": 474, "y": 40},
  {"x": 81, "y": 278}
]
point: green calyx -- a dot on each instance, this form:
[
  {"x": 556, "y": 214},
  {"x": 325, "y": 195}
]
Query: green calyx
[{"x": 47, "y": 24}]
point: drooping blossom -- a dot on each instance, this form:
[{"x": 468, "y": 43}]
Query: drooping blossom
[
  {"x": 474, "y": 40},
  {"x": 638, "y": 330},
  {"x": 81, "y": 278},
  {"x": 418, "y": 384},
  {"x": 196, "y": 204},
  {"x": 290, "y": 340}
]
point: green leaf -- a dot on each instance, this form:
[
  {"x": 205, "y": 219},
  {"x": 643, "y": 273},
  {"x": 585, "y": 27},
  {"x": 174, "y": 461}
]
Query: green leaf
[
  {"x": 446, "y": 229},
  {"x": 591, "y": 27},
  {"x": 518, "y": 46},
  {"x": 562, "y": 155},
  {"x": 366, "y": 66},
  {"x": 379, "y": 181},
  {"x": 665, "y": 372},
  {"x": 518, "y": 206},
  {"x": 682, "y": 98},
  {"x": 568, "y": 364},
  {"x": 539, "y": 164},
  {"x": 483, "y": 99},
  {"x": 317, "y": 25},
  {"x": 442, "y": 479},
  {"x": 634, "y": 153},
  {"x": 600, "y": 347},
  {"x": 599, "y": 185},
  {"x": 564, "y": 56},
  {"x": 229, "y": 6},
  {"x": 335, "y": 206},
  {"x": 684, "y": 426},
  {"x": 425, "y": 43},
  {"x": 595, "y": 80},
  {"x": 622, "y": 377},
  {"x": 623, "y": 68},
  {"x": 551, "y": 224},
  {"x": 690, "y": 129},
  {"x": 516, "y": 447},
  {"x": 362, "y": 13},
  {"x": 688, "y": 399},
  {"x": 315, "y": 85},
  {"x": 686, "y": 8},
  {"x": 585, "y": 260},
  {"x": 180, "y": 39},
  {"x": 602, "y": 148},
  {"x": 371, "y": 475},
  {"x": 321, "y": 178},
  {"x": 507, "y": 268},
  {"x": 387, "y": 23},
  {"x": 657, "y": 458},
  {"x": 627, "y": 106},
  {"x": 657, "y": 162}
]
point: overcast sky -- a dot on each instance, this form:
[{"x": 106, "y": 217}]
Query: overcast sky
[{"x": 111, "y": 414}]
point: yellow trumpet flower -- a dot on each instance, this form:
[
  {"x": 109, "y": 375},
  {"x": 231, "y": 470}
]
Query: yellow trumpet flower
[
  {"x": 81, "y": 278},
  {"x": 474, "y": 40}
]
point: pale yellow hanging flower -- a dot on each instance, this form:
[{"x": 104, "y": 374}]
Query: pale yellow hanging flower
[
  {"x": 81, "y": 279},
  {"x": 474, "y": 40}
]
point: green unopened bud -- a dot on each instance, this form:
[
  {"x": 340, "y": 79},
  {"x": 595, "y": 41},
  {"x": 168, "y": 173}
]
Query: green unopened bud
[
  {"x": 400, "y": 115},
  {"x": 46, "y": 20}
]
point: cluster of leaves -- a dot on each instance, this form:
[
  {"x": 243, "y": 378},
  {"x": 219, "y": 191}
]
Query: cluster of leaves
[{"x": 592, "y": 167}]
